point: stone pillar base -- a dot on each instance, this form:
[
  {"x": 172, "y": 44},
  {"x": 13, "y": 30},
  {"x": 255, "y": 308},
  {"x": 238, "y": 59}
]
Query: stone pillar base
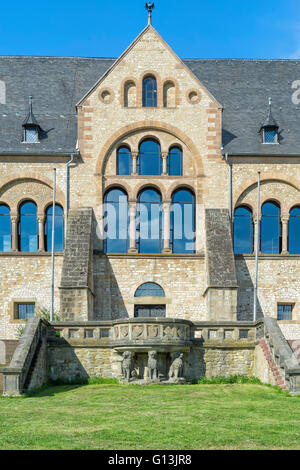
[
  {"x": 167, "y": 250},
  {"x": 132, "y": 251}
]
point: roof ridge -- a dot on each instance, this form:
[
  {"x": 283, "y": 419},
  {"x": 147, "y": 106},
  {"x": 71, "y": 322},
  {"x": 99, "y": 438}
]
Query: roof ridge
[{"x": 196, "y": 59}]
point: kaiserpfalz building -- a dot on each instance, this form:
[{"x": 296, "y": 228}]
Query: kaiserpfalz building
[{"x": 156, "y": 220}]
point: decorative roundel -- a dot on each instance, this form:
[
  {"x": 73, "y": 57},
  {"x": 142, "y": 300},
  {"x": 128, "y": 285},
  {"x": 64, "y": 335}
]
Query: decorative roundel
[
  {"x": 106, "y": 95},
  {"x": 193, "y": 96}
]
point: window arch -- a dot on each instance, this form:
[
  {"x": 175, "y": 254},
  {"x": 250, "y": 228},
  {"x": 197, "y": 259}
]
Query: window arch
[
  {"x": 5, "y": 228},
  {"x": 28, "y": 227},
  {"x": 270, "y": 233},
  {"x": 149, "y": 92},
  {"x": 243, "y": 231},
  {"x": 116, "y": 221},
  {"x": 149, "y": 160},
  {"x": 124, "y": 161},
  {"x": 130, "y": 94},
  {"x": 183, "y": 224},
  {"x": 58, "y": 228},
  {"x": 169, "y": 95},
  {"x": 294, "y": 231},
  {"x": 175, "y": 161},
  {"x": 149, "y": 221},
  {"x": 149, "y": 289}
]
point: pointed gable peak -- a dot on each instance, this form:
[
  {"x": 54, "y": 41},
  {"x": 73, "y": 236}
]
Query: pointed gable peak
[{"x": 149, "y": 30}]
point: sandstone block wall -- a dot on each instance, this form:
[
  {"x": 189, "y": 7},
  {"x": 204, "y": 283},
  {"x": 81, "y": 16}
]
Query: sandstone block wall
[
  {"x": 26, "y": 278},
  {"x": 77, "y": 284},
  {"x": 279, "y": 282},
  {"x": 118, "y": 277}
]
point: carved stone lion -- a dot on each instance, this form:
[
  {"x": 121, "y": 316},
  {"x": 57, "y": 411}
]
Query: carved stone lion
[
  {"x": 127, "y": 364},
  {"x": 176, "y": 368},
  {"x": 152, "y": 365}
]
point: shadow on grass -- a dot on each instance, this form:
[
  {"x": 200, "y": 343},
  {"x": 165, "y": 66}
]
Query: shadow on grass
[{"x": 53, "y": 387}]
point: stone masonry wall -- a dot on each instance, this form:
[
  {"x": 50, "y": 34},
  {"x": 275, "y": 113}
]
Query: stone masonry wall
[
  {"x": 69, "y": 363},
  {"x": 25, "y": 278},
  {"x": 117, "y": 278},
  {"x": 76, "y": 287},
  {"x": 66, "y": 363},
  {"x": 279, "y": 282}
]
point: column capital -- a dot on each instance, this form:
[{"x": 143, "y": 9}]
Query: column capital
[
  {"x": 284, "y": 219},
  {"x": 41, "y": 218},
  {"x": 164, "y": 155}
]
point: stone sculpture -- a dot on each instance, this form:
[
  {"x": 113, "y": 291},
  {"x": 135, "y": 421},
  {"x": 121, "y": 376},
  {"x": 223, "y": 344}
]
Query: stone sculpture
[
  {"x": 127, "y": 365},
  {"x": 176, "y": 368},
  {"x": 152, "y": 365}
]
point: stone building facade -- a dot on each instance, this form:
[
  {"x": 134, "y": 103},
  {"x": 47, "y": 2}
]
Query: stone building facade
[{"x": 84, "y": 110}]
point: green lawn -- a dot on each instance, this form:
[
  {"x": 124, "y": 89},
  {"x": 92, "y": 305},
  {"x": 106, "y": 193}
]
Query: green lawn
[{"x": 154, "y": 417}]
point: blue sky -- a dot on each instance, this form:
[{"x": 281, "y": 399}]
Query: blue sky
[{"x": 104, "y": 28}]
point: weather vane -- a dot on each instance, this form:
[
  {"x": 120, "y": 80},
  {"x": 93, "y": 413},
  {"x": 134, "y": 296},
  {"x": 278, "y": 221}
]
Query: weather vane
[{"x": 150, "y": 6}]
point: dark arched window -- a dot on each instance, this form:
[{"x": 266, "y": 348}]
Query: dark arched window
[
  {"x": 149, "y": 289},
  {"x": 270, "y": 234},
  {"x": 149, "y": 161},
  {"x": 149, "y": 222},
  {"x": 243, "y": 231},
  {"x": 58, "y": 229},
  {"x": 5, "y": 228},
  {"x": 28, "y": 227},
  {"x": 175, "y": 161},
  {"x": 124, "y": 161},
  {"x": 182, "y": 227},
  {"x": 116, "y": 221},
  {"x": 294, "y": 231},
  {"x": 149, "y": 92}
]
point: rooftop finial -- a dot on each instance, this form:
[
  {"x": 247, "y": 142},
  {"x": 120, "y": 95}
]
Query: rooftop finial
[
  {"x": 150, "y": 6},
  {"x": 270, "y": 101}
]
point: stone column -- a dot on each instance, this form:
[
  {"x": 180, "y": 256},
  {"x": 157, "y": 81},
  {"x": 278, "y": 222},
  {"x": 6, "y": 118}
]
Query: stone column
[
  {"x": 14, "y": 232},
  {"x": 132, "y": 227},
  {"x": 256, "y": 222},
  {"x": 284, "y": 222},
  {"x": 164, "y": 156},
  {"x": 134, "y": 156},
  {"x": 166, "y": 219},
  {"x": 41, "y": 221}
]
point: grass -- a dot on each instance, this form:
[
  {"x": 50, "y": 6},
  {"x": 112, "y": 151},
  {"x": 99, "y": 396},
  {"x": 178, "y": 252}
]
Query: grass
[{"x": 109, "y": 416}]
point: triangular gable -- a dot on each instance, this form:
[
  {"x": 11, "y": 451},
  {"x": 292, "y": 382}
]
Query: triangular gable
[{"x": 115, "y": 64}]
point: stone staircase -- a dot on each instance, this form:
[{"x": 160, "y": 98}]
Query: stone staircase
[
  {"x": 10, "y": 347},
  {"x": 278, "y": 378}
]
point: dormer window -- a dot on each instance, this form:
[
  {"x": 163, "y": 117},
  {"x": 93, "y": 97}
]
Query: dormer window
[
  {"x": 31, "y": 128},
  {"x": 31, "y": 136},
  {"x": 269, "y": 128},
  {"x": 270, "y": 136}
]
